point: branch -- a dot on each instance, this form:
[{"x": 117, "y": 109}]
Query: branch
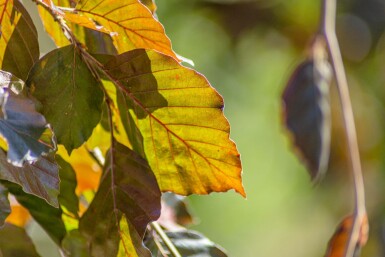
[
  {"x": 165, "y": 239},
  {"x": 327, "y": 29}
]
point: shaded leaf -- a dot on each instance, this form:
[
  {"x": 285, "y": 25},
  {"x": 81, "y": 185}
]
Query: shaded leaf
[
  {"x": 15, "y": 242},
  {"x": 189, "y": 243},
  {"x": 19, "y": 47},
  {"x": 128, "y": 189},
  {"x": 5, "y": 207},
  {"x": 40, "y": 178},
  {"x": 70, "y": 94},
  {"x": 47, "y": 216},
  {"x": 175, "y": 211},
  {"x": 133, "y": 24},
  {"x": 307, "y": 114},
  {"x": 338, "y": 243},
  {"x": 67, "y": 196},
  {"x": 150, "y": 4},
  {"x": 75, "y": 245},
  {"x": 180, "y": 119},
  {"x": 26, "y": 131}
]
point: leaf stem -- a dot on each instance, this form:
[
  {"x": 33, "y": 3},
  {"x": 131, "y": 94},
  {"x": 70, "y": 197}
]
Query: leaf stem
[
  {"x": 327, "y": 29},
  {"x": 165, "y": 239}
]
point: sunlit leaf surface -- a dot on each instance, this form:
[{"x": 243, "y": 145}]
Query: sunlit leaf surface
[
  {"x": 128, "y": 189},
  {"x": 179, "y": 119},
  {"x": 133, "y": 24},
  {"x": 19, "y": 48},
  {"x": 26, "y": 131},
  {"x": 70, "y": 94}
]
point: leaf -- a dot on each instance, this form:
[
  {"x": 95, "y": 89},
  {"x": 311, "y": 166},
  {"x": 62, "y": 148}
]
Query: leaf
[
  {"x": 70, "y": 94},
  {"x": 15, "y": 242},
  {"x": 25, "y": 130},
  {"x": 189, "y": 243},
  {"x": 338, "y": 243},
  {"x": 19, "y": 47},
  {"x": 19, "y": 215},
  {"x": 175, "y": 211},
  {"x": 67, "y": 196},
  {"x": 5, "y": 207},
  {"x": 180, "y": 118},
  {"x": 40, "y": 178},
  {"x": 307, "y": 114},
  {"x": 75, "y": 245},
  {"x": 128, "y": 189},
  {"x": 150, "y": 4},
  {"x": 47, "y": 216},
  {"x": 133, "y": 24}
]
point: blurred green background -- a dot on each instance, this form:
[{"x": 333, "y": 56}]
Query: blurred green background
[{"x": 247, "y": 50}]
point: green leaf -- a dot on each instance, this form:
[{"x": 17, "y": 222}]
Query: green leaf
[
  {"x": 70, "y": 94},
  {"x": 47, "y": 216},
  {"x": 75, "y": 245},
  {"x": 40, "y": 178},
  {"x": 25, "y": 130},
  {"x": 19, "y": 47},
  {"x": 67, "y": 196},
  {"x": 15, "y": 242},
  {"x": 180, "y": 118},
  {"x": 189, "y": 243},
  {"x": 307, "y": 114},
  {"x": 5, "y": 208},
  {"x": 128, "y": 189}
]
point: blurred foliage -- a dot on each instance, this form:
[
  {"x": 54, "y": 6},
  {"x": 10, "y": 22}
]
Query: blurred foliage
[{"x": 247, "y": 50}]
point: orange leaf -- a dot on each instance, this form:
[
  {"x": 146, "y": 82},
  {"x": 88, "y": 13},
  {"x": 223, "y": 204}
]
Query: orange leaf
[
  {"x": 338, "y": 243},
  {"x": 19, "y": 215}
]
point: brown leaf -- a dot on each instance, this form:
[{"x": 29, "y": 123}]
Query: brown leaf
[{"x": 338, "y": 243}]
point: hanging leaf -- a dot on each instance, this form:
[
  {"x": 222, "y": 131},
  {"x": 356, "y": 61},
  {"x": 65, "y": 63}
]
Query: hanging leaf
[
  {"x": 67, "y": 196},
  {"x": 25, "y": 130},
  {"x": 133, "y": 24},
  {"x": 128, "y": 189},
  {"x": 15, "y": 242},
  {"x": 5, "y": 207},
  {"x": 19, "y": 47},
  {"x": 338, "y": 243},
  {"x": 180, "y": 118},
  {"x": 189, "y": 243},
  {"x": 70, "y": 94},
  {"x": 40, "y": 178},
  {"x": 48, "y": 217},
  {"x": 307, "y": 114},
  {"x": 75, "y": 245}
]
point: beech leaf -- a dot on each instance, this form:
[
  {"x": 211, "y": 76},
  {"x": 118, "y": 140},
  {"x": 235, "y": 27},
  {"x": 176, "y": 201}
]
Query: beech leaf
[
  {"x": 5, "y": 207},
  {"x": 128, "y": 190},
  {"x": 307, "y": 114},
  {"x": 26, "y": 131},
  {"x": 70, "y": 94},
  {"x": 180, "y": 121},
  {"x": 67, "y": 196},
  {"x": 40, "y": 178},
  {"x": 19, "y": 47},
  {"x": 15, "y": 242},
  {"x": 189, "y": 243},
  {"x": 132, "y": 23},
  {"x": 338, "y": 243},
  {"x": 48, "y": 217}
]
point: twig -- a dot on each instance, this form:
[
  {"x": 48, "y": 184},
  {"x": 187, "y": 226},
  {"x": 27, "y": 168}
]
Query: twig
[
  {"x": 165, "y": 239},
  {"x": 327, "y": 29}
]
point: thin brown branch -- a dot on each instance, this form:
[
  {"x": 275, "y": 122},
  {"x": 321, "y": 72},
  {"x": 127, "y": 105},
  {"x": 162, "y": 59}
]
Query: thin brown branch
[
  {"x": 327, "y": 29},
  {"x": 165, "y": 239}
]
